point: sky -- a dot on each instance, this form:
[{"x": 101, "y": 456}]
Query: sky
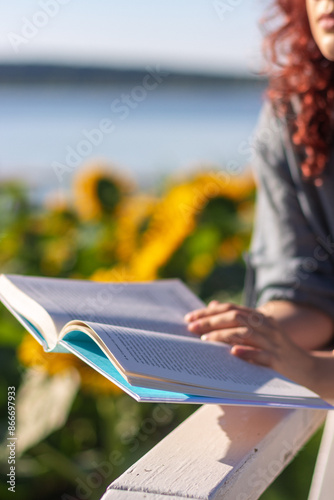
[{"x": 213, "y": 36}]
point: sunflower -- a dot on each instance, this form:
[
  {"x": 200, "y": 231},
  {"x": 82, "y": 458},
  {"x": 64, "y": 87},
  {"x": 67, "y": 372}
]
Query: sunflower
[
  {"x": 212, "y": 183},
  {"x": 168, "y": 227},
  {"x": 134, "y": 217},
  {"x": 99, "y": 189},
  {"x": 30, "y": 353},
  {"x": 150, "y": 231},
  {"x": 175, "y": 218}
]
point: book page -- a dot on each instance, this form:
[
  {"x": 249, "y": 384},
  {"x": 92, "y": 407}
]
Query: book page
[
  {"x": 191, "y": 361},
  {"x": 29, "y": 313},
  {"x": 83, "y": 346},
  {"x": 86, "y": 349},
  {"x": 154, "y": 306}
]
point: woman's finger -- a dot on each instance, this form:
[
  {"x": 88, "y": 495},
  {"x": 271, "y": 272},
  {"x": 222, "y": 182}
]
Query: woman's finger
[
  {"x": 214, "y": 307},
  {"x": 213, "y": 303},
  {"x": 240, "y": 335},
  {"x": 262, "y": 324},
  {"x": 231, "y": 318},
  {"x": 257, "y": 356},
  {"x": 228, "y": 319}
]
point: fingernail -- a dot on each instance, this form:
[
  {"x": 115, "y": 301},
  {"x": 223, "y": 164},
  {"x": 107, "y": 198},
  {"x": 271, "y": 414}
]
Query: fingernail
[
  {"x": 194, "y": 325},
  {"x": 187, "y": 317},
  {"x": 204, "y": 337}
]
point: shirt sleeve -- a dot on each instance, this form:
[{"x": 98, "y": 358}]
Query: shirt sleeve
[{"x": 287, "y": 261}]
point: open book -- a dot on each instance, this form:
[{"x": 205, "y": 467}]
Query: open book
[{"x": 134, "y": 334}]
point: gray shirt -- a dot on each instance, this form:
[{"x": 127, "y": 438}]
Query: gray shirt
[{"x": 292, "y": 250}]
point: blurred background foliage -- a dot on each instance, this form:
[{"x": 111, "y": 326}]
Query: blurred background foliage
[{"x": 195, "y": 227}]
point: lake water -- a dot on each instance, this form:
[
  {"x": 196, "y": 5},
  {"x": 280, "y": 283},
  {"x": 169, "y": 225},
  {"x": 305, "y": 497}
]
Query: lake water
[{"x": 171, "y": 128}]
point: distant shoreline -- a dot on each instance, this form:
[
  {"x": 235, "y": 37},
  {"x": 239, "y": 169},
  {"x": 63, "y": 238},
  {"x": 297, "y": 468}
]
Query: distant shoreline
[{"x": 61, "y": 74}]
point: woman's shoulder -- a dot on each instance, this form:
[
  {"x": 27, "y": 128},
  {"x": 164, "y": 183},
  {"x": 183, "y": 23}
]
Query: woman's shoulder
[
  {"x": 269, "y": 126},
  {"x": 271, "y": 142}
]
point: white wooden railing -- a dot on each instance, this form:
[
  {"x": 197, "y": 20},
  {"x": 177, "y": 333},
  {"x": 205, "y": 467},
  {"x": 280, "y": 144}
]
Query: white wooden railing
[
  {"x": 322, "y": 487},
  {"x": 225, "y": 452}
]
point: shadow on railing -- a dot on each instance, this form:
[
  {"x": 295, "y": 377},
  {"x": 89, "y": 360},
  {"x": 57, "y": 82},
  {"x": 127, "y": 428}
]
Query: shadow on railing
[{"x": 226, "y": 452}]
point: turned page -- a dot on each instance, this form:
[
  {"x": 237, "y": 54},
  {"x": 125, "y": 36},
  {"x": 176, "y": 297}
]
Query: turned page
[
  {"x": 154, "y": 306},
  {"x": 190, "y": 361}
]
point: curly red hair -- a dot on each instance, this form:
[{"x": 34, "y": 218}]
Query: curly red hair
[{"x": 298, "y": 68}]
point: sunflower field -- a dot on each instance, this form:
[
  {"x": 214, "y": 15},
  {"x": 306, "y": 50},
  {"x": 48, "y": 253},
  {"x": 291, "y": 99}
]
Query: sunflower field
[{"x": 77, "y": 431}]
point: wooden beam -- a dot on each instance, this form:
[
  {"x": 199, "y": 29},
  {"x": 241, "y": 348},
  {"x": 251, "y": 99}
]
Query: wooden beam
[
  {"x": 322, "y": 487},
  {"x": 136, "y": 495},
  {"x": 219, "y": 452}
]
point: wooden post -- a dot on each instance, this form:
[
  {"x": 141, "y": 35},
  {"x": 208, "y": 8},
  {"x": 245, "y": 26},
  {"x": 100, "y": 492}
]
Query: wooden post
[
  {"x": 322, "y": 487},
  {"x": 220, "y": 452}
]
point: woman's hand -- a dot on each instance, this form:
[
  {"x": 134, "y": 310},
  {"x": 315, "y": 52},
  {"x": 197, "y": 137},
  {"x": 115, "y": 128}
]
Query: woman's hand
[
  {"x": 255, "y": 337},
  {"x": 258, "y": 338},
  {"x": 216, "y": 321},
  {"x": 306, "y": 326}
]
